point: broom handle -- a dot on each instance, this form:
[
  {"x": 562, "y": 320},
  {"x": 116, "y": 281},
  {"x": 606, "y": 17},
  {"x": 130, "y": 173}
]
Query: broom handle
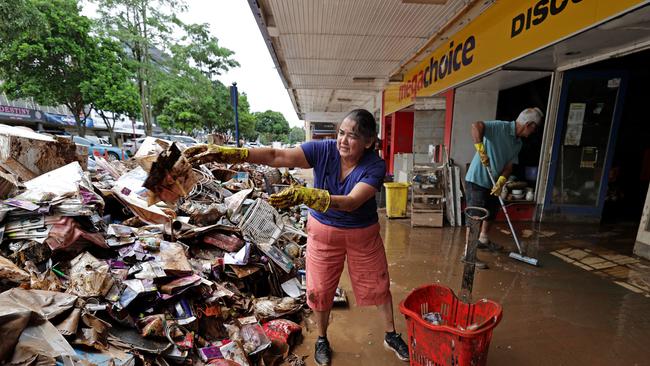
[{"x": 505, "y": 212}]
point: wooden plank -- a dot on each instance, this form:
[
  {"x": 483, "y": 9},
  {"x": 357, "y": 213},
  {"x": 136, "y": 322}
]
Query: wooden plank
[
  {"x": 457, "y": 196},
  {"x": 449, "y": 196}
]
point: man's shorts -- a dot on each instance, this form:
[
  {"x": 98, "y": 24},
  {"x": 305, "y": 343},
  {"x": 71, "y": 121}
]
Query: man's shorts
[{"x": 478, "y": 196}]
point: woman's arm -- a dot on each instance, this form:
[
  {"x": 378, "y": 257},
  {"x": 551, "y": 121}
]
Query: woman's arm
[
  {"x": 278, "y": 158},
  {"x": 361, "y": 193}
]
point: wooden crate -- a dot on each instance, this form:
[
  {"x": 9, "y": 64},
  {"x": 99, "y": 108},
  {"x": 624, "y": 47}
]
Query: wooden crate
[{"x": 428, "y": 218}]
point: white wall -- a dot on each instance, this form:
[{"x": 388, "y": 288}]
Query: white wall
[
  {"x": 469, "y": 106},
  {"x": 428, "y": 127}
]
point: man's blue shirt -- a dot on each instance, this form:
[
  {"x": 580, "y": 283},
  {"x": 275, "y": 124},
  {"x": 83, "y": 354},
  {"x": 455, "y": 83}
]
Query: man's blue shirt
[{"x": 502, "y": 146}]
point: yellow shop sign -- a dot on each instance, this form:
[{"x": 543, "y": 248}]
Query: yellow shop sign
[{"x": 508, "y": 30}]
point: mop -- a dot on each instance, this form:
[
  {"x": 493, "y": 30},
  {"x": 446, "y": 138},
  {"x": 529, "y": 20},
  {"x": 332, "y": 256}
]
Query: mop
[{"x": 518, "y": 256}]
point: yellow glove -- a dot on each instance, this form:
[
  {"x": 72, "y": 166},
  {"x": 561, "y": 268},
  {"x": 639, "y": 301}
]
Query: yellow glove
[
  {"x": 498, "y": 186},
  {"x": 485, "y": 160},
  {"x": 201, "y": 154},
  {"x": 318, "y": 199}
]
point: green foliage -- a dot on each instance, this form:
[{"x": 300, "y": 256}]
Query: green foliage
[
  {"x": 297, "y": 134},
  {"x": 246, "y": 119},
  {"x": 46, "y": 53},
  {"x": 146, "y": 26},
  {"x": 272, "y": 126},
  {"x": 185, "y": 99},
  {"x": 202, "y": 50},
  {"x": 111, "y": 87}
]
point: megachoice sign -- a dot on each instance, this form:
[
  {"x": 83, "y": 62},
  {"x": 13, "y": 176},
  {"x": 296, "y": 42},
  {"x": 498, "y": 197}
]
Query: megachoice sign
[{"x": 508, "y": 30}]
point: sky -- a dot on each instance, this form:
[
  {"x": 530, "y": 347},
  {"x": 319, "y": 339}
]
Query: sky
[{"x": 233, "y": 23}]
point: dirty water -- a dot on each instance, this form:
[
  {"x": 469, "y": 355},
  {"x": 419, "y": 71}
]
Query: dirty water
[{"x": 558, "y": 314}]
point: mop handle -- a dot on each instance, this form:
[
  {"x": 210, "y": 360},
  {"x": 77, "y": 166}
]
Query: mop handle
[{"x": 505, "y": 211}]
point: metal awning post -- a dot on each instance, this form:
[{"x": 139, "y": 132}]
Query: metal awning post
[{"x": 234, "y": 101}]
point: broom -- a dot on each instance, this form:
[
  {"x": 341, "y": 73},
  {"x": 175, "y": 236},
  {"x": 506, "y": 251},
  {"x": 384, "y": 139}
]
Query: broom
[{"x": 518, "y": 256}]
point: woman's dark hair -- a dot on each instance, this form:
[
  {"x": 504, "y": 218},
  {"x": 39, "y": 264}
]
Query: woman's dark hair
[{"x": 365, "y": 125}]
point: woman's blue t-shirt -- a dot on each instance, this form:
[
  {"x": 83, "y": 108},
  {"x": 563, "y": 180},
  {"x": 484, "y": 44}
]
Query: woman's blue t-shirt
[{"x": 326, "y": 161}]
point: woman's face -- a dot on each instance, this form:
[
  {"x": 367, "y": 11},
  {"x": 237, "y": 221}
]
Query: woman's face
[{"x": 350, "y": 144}]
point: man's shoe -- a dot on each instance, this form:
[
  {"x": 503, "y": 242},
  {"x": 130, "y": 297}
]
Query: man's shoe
[
  {"x": 477, "y": 263},
  {"x": 323, "y": 353},
  {"x": 490, "y": 245},
  {"x": 394, "y": 342}
]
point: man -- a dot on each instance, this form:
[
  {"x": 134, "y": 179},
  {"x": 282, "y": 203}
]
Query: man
[{"x": 497, "y": 146}]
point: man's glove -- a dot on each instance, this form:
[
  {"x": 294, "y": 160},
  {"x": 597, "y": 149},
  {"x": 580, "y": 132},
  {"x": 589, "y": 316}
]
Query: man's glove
[
  {"x": 498, "y": 186},
  {"x": 201, "y": 154},
  {"x": 485, "y": 160},
  {"x": 318, "y": 199}
]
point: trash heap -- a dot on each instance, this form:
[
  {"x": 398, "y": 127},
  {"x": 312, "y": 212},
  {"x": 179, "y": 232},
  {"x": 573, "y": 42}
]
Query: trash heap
[{"x": 149, "y": 260}]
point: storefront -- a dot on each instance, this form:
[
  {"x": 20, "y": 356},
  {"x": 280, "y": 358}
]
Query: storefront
[
  {"x": 584, "y": 64},
  {"x": 321, "y": 130}
]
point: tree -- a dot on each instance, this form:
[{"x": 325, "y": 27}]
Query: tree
[
  {"x": 111, "y": 88},
  {"x": 146, "y": 28},
  {"x": 46, "y": 53},
  {"x": 297, "y": 134},
  {"x": 247, "y": 120},
  {"x": 179, "y": 100},
  {"x": 272, "y": 126},
  {"x": 185, "y": 99}
]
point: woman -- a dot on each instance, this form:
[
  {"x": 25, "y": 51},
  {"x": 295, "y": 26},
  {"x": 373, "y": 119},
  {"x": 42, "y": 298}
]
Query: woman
[{"x": 343, "y": 218}]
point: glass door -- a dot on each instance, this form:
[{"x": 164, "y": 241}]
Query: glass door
[{"x": 588, "y": 118}]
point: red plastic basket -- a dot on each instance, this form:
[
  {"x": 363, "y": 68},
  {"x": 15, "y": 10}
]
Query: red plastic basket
[{"x": 451, "y": 343}]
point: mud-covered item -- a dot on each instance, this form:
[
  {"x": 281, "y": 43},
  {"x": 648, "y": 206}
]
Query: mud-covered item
[
  {"x": 27, "y": 154},
  {"x": 283, "y": 330},
  {"x": 174, "y": 260},
  {"x": 201, "y": 154},
  {"x": 27, "y": 334},
  {"x": 89, "y": 276},
  {"x": 93, "y": 332},
  {"x": 254, "y": 339},
  {"x": 180, "y": 284},
  {"x": 29, "y": 250},
  {"x": 8, "y": 185},
  {"x": 152, "y": 325},
  {"x": 318, "y": 199},
  {"x": 222, "y": 362},
  {"x": 60, "y": 183},
  {"x": 170, "y": 178},
  {"x": 68, "y": 236},
  {"x": 229, "y": 243},
  {"x": 131, "y": 339},
  {"x": 46, "y": 280},
  {"x": 234, "y": 351},
  {"x": 268, "y": 308},
  {"x": 11, "y": 272},
  {"x": 474, "y": 216}
]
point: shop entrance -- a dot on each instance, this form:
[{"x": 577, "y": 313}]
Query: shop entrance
[
  {"x": 511, "y": 102},
  {"x": 601, "y": 151}
]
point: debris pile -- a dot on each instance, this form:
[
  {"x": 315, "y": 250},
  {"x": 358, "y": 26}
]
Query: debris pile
[{"x": 149, "y": 260}]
